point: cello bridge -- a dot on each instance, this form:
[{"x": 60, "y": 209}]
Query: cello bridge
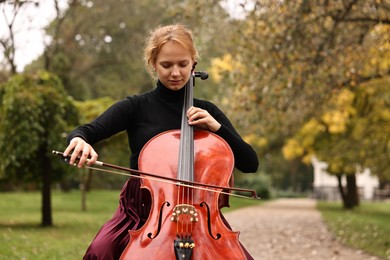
[{"x": 184, "y": 209}]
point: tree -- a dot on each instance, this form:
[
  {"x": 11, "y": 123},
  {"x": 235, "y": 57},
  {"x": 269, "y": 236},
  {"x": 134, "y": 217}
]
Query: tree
[
  {"x": 292, "y": 57},
  {"x": 352, "y": 135},
  {"x": 8, "y": 42},
  {"x": 34, "y": 112}
]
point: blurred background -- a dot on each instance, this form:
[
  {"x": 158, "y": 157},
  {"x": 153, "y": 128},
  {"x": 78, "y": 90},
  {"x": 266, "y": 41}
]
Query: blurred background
[{"x": 306, "y": 83}]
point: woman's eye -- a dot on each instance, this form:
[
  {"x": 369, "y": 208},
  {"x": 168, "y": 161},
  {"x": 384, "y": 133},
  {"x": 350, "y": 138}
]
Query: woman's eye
[
  {"x": 165, "y": 65},
  {"x": 169, "y": 65}
]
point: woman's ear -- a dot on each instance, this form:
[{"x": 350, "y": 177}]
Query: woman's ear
[{"x": 194, "y": 64}]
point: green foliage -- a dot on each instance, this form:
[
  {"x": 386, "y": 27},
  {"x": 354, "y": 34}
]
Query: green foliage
[
  {"x": 90, "y": 109},
  {"x": 34, "y": 113},
  {"x": 366, "y": 227},
  {"x": 259, "y": 182},
  {"x": 97, "y": 57}
]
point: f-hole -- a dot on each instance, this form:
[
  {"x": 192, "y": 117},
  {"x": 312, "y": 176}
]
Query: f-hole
[
  {"x": 159, "y": 221},
  {"x": 218, "y": 236}
]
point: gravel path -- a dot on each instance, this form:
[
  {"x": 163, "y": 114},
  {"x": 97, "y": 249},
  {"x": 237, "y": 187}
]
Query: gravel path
[{"x": 289, "y": 229}]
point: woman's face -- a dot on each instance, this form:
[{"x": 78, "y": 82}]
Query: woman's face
[{"x": 173, "y": 65}]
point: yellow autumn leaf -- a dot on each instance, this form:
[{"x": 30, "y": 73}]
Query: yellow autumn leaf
[
  {"x": 255, "y": 140},
  {"x": 292, "y": 149},
  {"x": 344, "y": 98},
  {"x": 336, "y": 121},
  {"x": 312, "y": 127},
  {"x": 385, "y": 114},
  {"x": 224, "y": 64}
]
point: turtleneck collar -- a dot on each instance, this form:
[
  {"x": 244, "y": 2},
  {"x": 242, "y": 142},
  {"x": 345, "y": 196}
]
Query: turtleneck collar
[{"x": 170, "y": 95}]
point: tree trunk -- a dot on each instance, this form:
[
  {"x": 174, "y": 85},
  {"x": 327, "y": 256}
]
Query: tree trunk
[
  {"x": 349, "y": 196},
  {"x": 88, "y": 181},
  {"x": 352, "y": 191},
  {"x": 83, "y": 197},
  {"x": 85, "y": 186},
  {"x": 341, "y": 189},
  {"x": 46, "y": 189}
]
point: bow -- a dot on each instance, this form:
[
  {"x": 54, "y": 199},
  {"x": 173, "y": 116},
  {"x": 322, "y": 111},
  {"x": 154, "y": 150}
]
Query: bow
[{"x": 145, "y": 175}]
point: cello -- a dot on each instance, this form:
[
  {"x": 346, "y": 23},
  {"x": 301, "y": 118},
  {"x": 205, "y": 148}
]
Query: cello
[{"x": 184, "y": 222}]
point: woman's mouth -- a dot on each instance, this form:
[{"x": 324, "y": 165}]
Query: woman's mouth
[{"x": 175, "y": 81}]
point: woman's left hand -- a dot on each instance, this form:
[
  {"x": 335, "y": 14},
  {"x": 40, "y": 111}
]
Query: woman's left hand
[{"x": 202, "y": 119}]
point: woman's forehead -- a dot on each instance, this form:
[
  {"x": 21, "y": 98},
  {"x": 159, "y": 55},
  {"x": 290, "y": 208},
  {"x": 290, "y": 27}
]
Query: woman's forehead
[{"x": 174, "y": 51}]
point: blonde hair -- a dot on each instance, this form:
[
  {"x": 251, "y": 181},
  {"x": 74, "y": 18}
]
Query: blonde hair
[{"x": 163, "y": 34}]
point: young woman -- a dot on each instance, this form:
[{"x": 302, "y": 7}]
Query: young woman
[{"x": 170, "y": 54}]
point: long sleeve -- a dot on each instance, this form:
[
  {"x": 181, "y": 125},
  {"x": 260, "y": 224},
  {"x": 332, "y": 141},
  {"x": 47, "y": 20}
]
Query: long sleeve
[
  {"x": 114, "y": 120},
  {"x": 244, "y": 155}
]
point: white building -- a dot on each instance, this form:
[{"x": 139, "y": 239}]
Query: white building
[{"x": 325, "y": 186}]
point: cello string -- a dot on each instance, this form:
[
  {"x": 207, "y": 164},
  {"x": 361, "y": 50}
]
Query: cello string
[
  {"x": 186, "y": 168},
  {"x": 178, "y": 199},
  {"x": 191, "y": 144},
  {"x": 189, "y": 155},
  {"x": 182, "y": 173}
]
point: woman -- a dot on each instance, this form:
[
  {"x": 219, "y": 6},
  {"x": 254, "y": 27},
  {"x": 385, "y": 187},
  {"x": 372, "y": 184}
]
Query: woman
[{"x": 170, "y": 54}]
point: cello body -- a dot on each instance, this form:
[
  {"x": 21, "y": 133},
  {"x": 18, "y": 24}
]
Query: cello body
[{"x": 185, "y": 222}]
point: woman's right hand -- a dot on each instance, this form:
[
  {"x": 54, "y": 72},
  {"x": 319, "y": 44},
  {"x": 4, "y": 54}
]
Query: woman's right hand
[{"x": 82, "y": 151}]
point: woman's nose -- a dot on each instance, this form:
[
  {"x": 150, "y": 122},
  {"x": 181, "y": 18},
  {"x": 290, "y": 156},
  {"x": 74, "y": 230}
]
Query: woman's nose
[{"x": 175, "y": 71}]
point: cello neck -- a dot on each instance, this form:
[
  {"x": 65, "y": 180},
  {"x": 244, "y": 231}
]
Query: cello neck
[{"x": 186, "y": 151}]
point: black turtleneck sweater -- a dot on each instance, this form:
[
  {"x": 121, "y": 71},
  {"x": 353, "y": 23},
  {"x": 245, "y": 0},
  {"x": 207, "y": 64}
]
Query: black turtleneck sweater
[{"x": 146, "y": 115}]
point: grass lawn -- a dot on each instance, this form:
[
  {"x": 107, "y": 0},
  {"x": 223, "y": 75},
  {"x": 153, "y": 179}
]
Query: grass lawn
[
  {"x": 21, "y": 236},
  {"x": 366, "y": 228}
]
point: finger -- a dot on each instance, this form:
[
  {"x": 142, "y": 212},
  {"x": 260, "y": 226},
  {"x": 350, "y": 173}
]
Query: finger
[
  {"x": 199, "y": 121},
  {"x": 198, "y": 114},
  {"x": 206, "y": 121},
  {"x": 78, "y": 149},
  {"x": 84, "y": 155},
  {"x": 193, "y": 116},
  {"x": 192, "y": 110},
  {"x": 93, "y": 158},
  {"x": 75, "y": 154},
  {"x": 69, "y": 149}
]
